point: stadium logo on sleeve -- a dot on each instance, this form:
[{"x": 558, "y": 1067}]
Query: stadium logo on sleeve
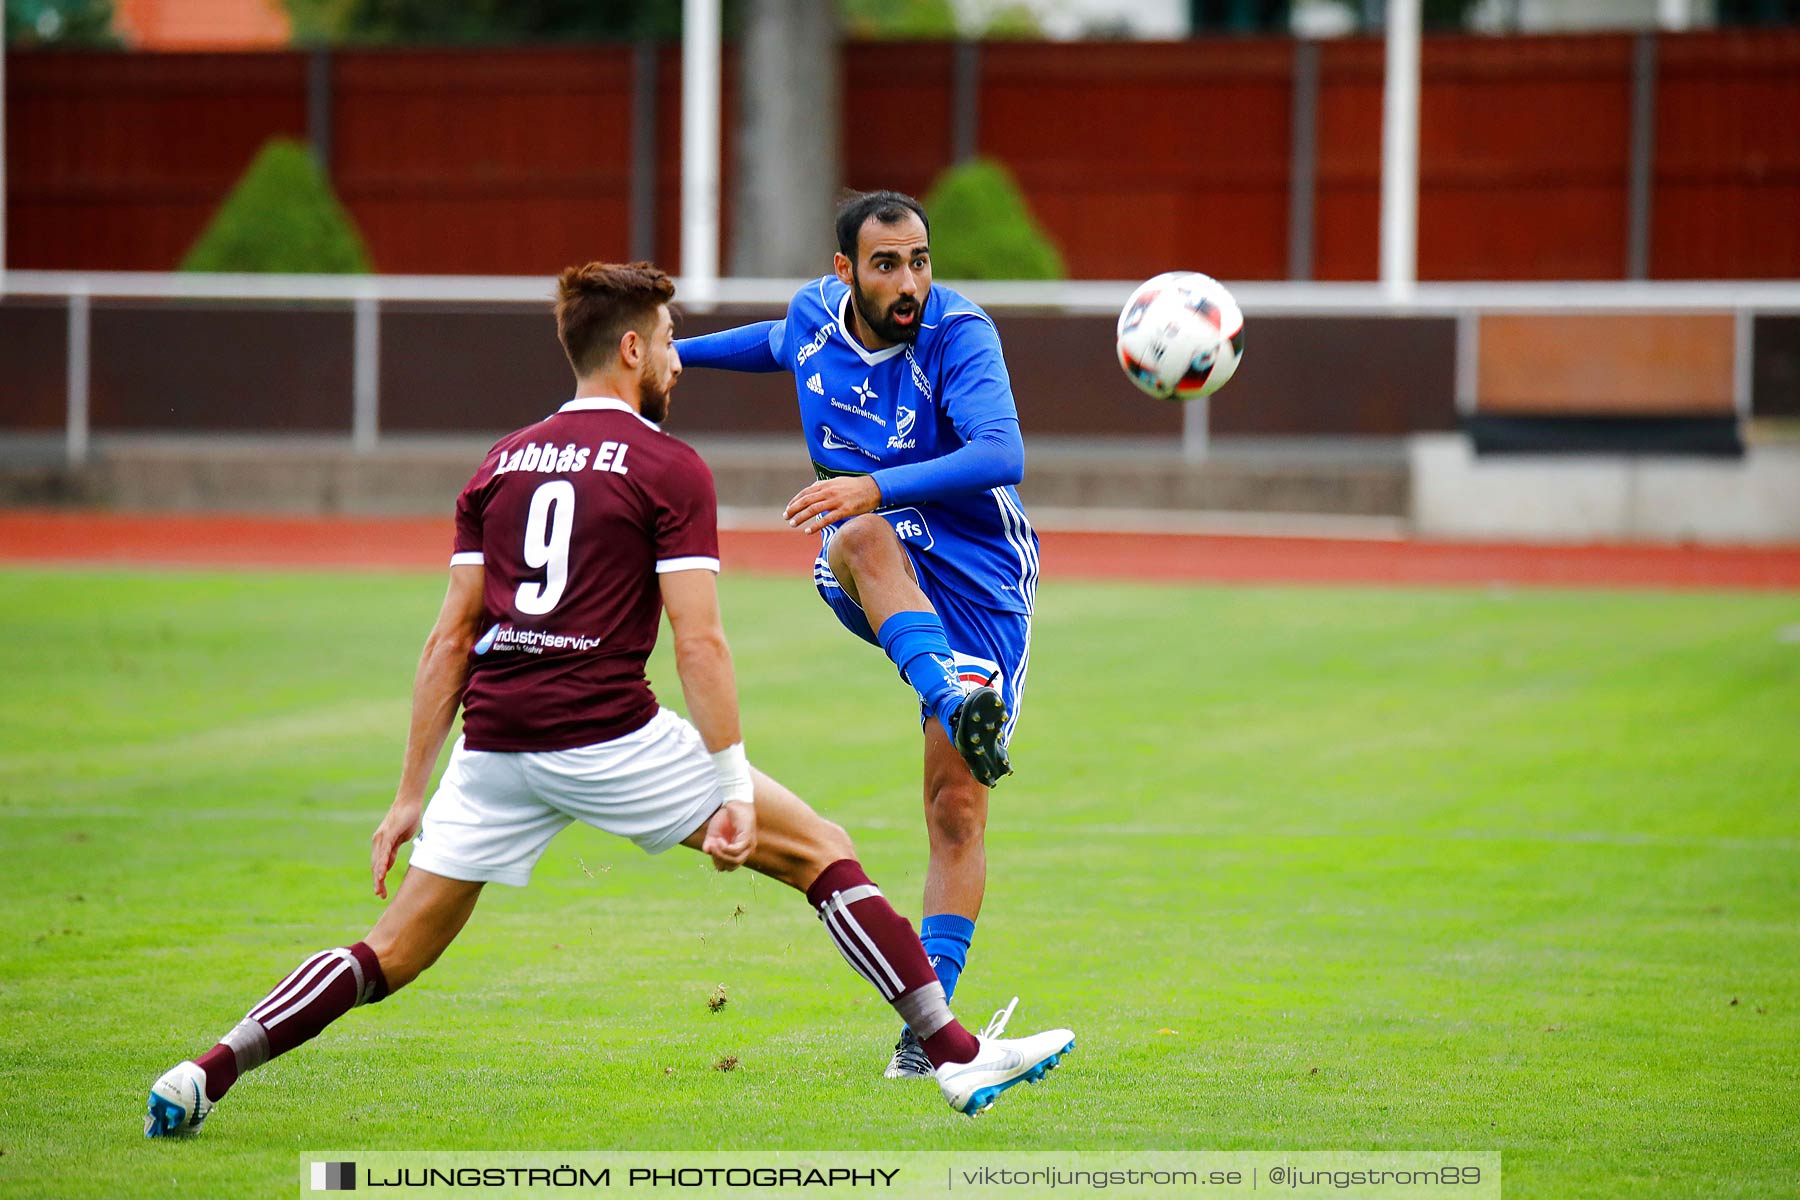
[
  {"x": 817, "y": 344},
  {"x": 483, "y": 645}
]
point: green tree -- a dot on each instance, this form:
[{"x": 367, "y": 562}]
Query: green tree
[
  {"x": 982, "y": 229},
  {"x": 1446, "y": 14},
  {"x": 282, "y": 216},
  {"x": 317, "y": 22},
  {"x": 902, "y": 19},
  {"x": 481, "y": 21},
  {"x": 60, "y": 23},
  {"x": 1013, "y": 22}
]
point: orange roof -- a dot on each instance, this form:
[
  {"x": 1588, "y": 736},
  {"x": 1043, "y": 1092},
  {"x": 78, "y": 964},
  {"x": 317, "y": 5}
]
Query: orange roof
[{"x": 201, "y": 24}]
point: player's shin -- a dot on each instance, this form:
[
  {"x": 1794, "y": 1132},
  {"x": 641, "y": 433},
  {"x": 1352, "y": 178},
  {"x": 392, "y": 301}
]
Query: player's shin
[
  {"x": 880, "y": 945},
  {"x": 318, "y": 992},
  {"x": 917, "y": 644}
]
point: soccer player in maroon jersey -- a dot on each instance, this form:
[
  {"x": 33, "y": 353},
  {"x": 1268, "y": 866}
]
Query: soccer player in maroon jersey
[{"x": 573, "y": 537}]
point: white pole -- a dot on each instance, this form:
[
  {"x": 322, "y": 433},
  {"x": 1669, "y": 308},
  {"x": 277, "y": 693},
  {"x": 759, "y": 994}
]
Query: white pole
[
  {"x": 1400, "y": 150},
  {"x": 365, "y": 374},
  {"x": 78, "y": 420},
  {"x": 1743, "y": 362},
  {"x": 699, "y": 152},
  {"x": 2, "y": 148},
  {"x": 1674, "y": 14},
  {"x": 1196, "y": 434}
]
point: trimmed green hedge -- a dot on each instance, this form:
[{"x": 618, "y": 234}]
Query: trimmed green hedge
[
  {"x": 281, "y": 217},
  {"x": 981, "y": 228}
]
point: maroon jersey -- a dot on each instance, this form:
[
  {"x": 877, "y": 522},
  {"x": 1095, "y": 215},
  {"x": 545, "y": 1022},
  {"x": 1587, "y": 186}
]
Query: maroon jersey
[{"x": 574, "y": 518}]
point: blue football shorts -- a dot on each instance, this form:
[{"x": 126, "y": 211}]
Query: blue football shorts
[{"x": 982, "y": 640}]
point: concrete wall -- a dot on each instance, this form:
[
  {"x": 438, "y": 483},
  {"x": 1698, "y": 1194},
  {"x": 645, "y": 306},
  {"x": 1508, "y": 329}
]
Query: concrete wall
[
  {"x": 1592, "y": 498},
  {"x": 423, "y": 475},
  {"x": 1440, "y": 490}
]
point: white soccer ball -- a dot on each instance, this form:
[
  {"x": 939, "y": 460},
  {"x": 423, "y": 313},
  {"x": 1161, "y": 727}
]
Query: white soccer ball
[{"x": 1180, "y": 335}]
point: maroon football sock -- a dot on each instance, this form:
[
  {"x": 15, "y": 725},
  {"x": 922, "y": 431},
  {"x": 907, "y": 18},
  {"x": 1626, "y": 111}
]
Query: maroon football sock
[
  {"x": 882, "y": 947},
  {"x": 320, "y": 990}
]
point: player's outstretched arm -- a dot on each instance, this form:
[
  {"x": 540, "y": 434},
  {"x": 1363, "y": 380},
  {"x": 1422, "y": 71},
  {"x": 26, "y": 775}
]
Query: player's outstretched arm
[
  {"x": 746, "y": 348},
  {"x": 708, "y": 682},
  {"x": 437, "y": 688},
  {"x": 993, "y": 456}
]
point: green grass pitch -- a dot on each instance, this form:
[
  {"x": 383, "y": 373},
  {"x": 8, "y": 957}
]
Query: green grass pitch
[{"x": 1304, "y": 869}]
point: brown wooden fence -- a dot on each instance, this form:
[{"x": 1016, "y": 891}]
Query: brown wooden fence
[
  {"x": 188, "y": 366},
  {"x": 1137, "y": 157}
]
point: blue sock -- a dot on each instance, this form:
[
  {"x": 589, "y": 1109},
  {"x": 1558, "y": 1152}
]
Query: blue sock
[
  {"x": 946, "y": 939},
  {"x": 916, "y": 643}
]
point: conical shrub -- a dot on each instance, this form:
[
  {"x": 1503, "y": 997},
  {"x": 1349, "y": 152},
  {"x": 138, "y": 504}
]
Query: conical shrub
[
  {"x": 281, "y": 217},
  {"x": 981, "y": 228}
]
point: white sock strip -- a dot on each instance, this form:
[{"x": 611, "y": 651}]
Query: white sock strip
[
  {"x": 325, "y": 980},
  {"x": 847, "y": 947},
  {"x": 293, "y": 985},
  {"x": 874, "y": 954}
]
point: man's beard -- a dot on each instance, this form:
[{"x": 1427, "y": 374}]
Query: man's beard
[
  {"x": 882, "y": 324},
  {"x": 653, "y": 399}
]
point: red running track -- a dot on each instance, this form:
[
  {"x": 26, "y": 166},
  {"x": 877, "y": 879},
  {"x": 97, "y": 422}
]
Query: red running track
[{"x": 384, "y": 543}]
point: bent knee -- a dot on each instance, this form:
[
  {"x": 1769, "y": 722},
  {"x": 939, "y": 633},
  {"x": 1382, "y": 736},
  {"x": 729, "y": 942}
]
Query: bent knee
[
  {"x": 860, "y": 537},
  {"x": 401, "y": 963},
  {"x": 834, "y": 844},
  {"x": 957, "y": 813},
  {"x": 825, "y": 844}
]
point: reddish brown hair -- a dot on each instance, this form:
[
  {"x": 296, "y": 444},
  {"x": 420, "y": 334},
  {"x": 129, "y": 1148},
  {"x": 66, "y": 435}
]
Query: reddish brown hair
[{"x": 597, "y": 303}]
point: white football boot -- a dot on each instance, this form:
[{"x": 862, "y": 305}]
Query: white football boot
[
  {"x": 178, "y": 1102},
  {"x": 972, "y": 1087}
]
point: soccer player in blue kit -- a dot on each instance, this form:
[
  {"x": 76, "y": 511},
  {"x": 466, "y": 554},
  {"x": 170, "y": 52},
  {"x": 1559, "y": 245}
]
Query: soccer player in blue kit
[{"x": 909, "y": 417}]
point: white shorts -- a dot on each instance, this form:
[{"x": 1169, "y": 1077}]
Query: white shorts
[{"x": 494, "y": 813}]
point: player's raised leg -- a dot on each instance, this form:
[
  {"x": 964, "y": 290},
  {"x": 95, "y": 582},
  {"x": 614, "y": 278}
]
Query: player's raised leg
[
  {"x": 870, "y": 564},
  {"x": 800, "y": 848},
  {"x": 425, "y": 916}
]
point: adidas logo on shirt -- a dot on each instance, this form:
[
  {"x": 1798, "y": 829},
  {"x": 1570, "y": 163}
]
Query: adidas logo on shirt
[{"x": 815, "y": 384}]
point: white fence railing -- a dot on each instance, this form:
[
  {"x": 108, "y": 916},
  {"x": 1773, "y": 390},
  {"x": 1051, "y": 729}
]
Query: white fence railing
[
  {"x": 1464, "y": 302},
  {"x": 1068, "y": 296}
]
